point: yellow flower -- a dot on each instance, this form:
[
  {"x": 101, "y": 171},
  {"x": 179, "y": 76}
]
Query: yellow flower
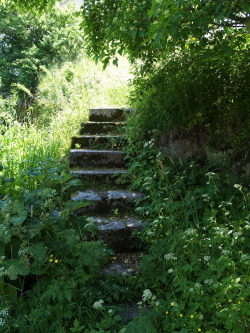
[
  {"x": 199, "y": 329},
  {"x": 51, "y": 255},
  {"x": 172, "y": 304},
  {"x": 239, "y": 302},
  {"x": 181, "y": 315},
  {"x": 242, "y": 298},
  {"x": 230, "y": 301},
  {"x": 51, "y": 260},
  {"x": 192, "y": 316},
  {"x": 166, "y": 312},
  {"x": 56, "y": 261}
]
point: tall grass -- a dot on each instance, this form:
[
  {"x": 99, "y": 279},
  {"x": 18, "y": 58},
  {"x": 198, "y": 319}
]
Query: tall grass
[{"x": 64, "y": 96}]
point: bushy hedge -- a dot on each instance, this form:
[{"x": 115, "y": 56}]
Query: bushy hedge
[{"x": 195, "y": 93}]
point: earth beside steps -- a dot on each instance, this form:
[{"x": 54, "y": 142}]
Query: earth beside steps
[{"x": 96, "y": 159}]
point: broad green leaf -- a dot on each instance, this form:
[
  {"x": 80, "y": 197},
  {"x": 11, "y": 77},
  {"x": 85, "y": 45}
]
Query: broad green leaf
[
  {"x": 14, "y": 267},
  {"x": 18, "y": 220}
]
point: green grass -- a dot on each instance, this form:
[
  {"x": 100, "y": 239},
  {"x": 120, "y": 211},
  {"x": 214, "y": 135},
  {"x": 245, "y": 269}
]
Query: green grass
[{"x": 64, "y": 97}]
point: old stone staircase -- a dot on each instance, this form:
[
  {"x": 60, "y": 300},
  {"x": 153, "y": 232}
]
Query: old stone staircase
[{"x": 97, "y": 160}]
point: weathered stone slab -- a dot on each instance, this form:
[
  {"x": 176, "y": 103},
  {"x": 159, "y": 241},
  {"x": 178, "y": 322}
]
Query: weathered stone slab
[
  {"x": 95, "y": 158},
  {"x": 108, "y": 114},
  {"x": 100, "y": 127},
  {"x": 90, "y": 141},
  {"x": 117, "y": 233},
  {"x": 106, "y": 202},
  {"x": 104, "y": 176}
]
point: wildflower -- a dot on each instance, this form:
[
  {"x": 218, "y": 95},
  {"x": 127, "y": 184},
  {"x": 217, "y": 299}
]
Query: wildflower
[
  {"x": 192, "y": 316},
  {"x": 238, "y": 186},
  {"x": 207, "y": 258},
  {"x": 51, "y": 255},
  {"x": 181, "y": 315},
  {"x": 170, "y": 270},
  {"x": 197, "y": 285},
  {"x": 201, "y": 316},
  {"x": 146, "y": 295},
  {"x": 199, "y": 329},
  {"x": 230, "y": 301},
  {"x": 191, "y": 290},
  {"x": 98, "y": 304},
  {"x": 244, "y": 257},
  {"x": 239, "y": 302},
  {"x": 242, "y": 298},
  {"x": 190, "y": 231},
  {"x": 166, "y": 312},
  {"x": 56, "y": 261},
  {"x": 170, "y": 256},
  {"x": 110, "y": 311},
  {"x": 209, "y": 281},
  {"x": 51, "y": 260},
  {"x": 172, "y": 304},
  {"x": 210, "y": 174}
]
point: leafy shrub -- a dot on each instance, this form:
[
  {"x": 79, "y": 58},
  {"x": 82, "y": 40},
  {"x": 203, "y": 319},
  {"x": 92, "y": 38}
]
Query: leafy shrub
[
  {"x": 47, "y": 268},
  {"x": 197, "y": 93}
]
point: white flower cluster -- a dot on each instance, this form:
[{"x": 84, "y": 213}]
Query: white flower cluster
[
  {"x": 148, "y": 297},
  {"x": 225, "y": 252},
  {"x": 170, "y": 270},
  {"x": 3, "y": 314},
  {"x": 198, "y": 287},
  {"x": 238, "y": 186},
  {"x": 170, "y": 256},
  {"x": 210, "y": 174},
  {"x": 244, "y": 257},
  {"x": 207, "y": 258},
  {"x": 98, "y": 304},
  {"x": 149, "y": 143},
  {"x": 190, "y": 231},
  {"x": 209, "y": 281}
]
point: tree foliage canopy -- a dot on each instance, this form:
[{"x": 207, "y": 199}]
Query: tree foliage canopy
[
  {"x": 28, "y": 42},
  {"x": 147, "y": 29}
]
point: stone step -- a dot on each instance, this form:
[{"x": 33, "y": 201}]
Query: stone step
[
  {"x": 95, "y": 158},
  {"x": 117, "y": 232},
  {"x": 108, "y": 114},
  {"x": 123, "y": 264},
  {"x": 103, "y": 141},
  {"x": 105, "y": 176},
  {"x": 100, "y": 127},
  {"x": 105, "y": 202}
]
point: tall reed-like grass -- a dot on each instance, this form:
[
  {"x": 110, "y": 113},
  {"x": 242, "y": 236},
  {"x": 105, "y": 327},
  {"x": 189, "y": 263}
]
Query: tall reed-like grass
[{"x": 64, "y": 96}]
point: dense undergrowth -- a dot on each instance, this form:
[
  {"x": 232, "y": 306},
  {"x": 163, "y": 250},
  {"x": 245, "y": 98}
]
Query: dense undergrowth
[{"x": 196, "y": 273}]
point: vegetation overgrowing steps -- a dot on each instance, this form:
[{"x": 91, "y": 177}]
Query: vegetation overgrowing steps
[
  {"x": 105, "y": 166},
  {"x": 101, "y": 127},
  {"x": 100, "y": 141},
  {"x": 105, "y": 202},
  {"x": 99, "y": 176},
  {"x": 107, "y": 158}
]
